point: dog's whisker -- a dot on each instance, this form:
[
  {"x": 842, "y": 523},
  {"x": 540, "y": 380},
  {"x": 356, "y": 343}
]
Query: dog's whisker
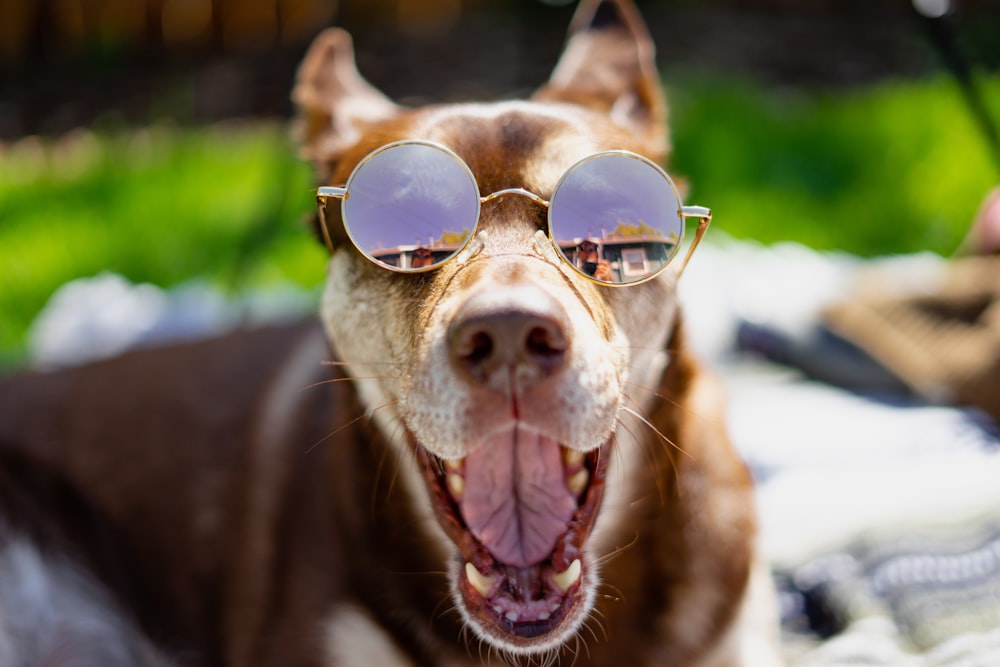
[
  {"x": 613, "y": 594},
  {"x": 404, "y": 456},
  {"x": 650, "y": 457},
  {"x": 337, "y": 430},
  {"x": 632, "y": 440},
  {"x": 646, "y": 447},
  {"x": 685, "y": 406},
  {"x": 380, "y": 467},
  {"x": 616, "y": 451},
  {"x": 366, "y": 415},
  {"x": 648, "y": 348},
  {"x": 570, "y": 650},
  {"x": 655, "y": 393},
  {"x": 442, "y": 609},
  {"x": 601, "y": 627},
  {"x": 643, "y": 447},
  {"x": 657, "y": 431},
  {"x": 587, "y": 626},
  {"x": 581, "y": 647},
  {"x": 386, "y": 451},
  {"x": 549, "y": 659},
  {"x": 633, "y": 401},
  {"x": 419, "y": 573},
  {"x": 340, "y": 364},
  {"x": 615, "y": 553},
  {"x": 320, "y": 383}
]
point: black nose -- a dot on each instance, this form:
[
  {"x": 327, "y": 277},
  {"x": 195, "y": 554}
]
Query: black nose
[{"x": 509, "y": 334}]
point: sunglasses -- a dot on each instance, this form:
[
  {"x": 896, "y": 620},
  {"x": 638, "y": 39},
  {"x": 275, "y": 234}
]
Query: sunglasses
[{"x": 615, "y": 217}]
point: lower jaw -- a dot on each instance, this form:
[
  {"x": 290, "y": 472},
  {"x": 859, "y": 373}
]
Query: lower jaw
[
  {"x": 523, "y": 627},
  {"x": 521, "y": 610},
  {"x": 535, "y": 609}
]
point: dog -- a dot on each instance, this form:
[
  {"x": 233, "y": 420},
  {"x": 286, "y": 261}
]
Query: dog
[{"x": 482, "y": 454}]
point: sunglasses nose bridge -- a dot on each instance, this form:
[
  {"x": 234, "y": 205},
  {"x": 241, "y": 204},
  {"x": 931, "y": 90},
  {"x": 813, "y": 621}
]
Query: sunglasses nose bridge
[
  {"x": 542, "y": 244},
  {"x": 515, "y": 192}
]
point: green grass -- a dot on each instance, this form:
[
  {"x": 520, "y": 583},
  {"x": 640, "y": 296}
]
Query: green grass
[
  {"x": 160, "y": 205},
  {"x": 895, "y": 168}
]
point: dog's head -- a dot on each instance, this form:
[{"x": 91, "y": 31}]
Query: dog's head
[{"x": 506, "y": 373}]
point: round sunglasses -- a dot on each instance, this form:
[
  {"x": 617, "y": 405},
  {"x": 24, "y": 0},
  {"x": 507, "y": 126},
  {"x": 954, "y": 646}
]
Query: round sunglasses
[{"x": 615, "y": 217}]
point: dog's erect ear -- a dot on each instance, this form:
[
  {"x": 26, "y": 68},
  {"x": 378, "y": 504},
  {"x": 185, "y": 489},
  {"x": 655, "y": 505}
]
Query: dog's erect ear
[
  {"x": 335, "y": 102},
  {"x": 609, "y": 65}
]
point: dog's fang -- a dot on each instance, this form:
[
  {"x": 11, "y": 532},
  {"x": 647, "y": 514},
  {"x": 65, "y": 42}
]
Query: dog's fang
[
  {"x": 578, "y": 482},
  {"x": 566, "y": 579},
  {"x": 456, "y": 486},
  {"x": 481, "y": 582},
  {"x": 572, "y": 457},
  {"x": 454, "y": 465}
]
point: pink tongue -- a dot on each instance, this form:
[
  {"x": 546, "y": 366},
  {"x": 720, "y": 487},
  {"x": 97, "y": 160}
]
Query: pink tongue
[{"x": 516, "y": 502}]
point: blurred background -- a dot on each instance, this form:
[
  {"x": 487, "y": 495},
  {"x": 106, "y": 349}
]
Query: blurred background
[{"x": 151, "y": 137}]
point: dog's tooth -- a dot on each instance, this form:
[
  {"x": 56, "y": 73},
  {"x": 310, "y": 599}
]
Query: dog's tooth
[
  {"x": 572, "y": 457},
  {"x": 578, "y": 482},
  {"x": 544, "y": 616},
  {"x": 483, "y": 583},
  {"x": 456, "y": 485},
  {"x": 453, "y": 464},
  {"x": 512, "y": 616},
  {"x": 566, "y": 579}
]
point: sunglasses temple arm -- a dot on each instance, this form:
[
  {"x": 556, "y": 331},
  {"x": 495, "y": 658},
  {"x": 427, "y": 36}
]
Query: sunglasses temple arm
[
  {"x": 704, "y": 216},
  {"x": 322, "y": 194}
]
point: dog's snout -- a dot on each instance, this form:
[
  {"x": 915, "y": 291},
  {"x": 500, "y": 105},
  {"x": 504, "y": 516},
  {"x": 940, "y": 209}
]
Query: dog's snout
[{"x": 519, "y": 334}]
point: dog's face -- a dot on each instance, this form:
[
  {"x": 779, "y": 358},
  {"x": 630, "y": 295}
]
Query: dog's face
[{"x": 505, "y": 378}]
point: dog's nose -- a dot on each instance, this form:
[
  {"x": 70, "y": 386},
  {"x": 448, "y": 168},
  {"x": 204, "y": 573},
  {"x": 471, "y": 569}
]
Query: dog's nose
[{"x": 509, "y": 335}]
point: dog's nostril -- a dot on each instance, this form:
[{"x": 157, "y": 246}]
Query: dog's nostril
[
  {"x": 479, "y": 349},
  {"x": 486, "y": 347},
  {"x": 545, "y": 341}
]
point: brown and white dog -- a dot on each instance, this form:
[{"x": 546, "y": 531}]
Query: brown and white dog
[{"x": 239, "y": 502}]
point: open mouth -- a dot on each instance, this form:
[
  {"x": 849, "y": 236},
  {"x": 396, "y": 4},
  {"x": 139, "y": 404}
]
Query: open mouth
[{"x": 519, "y": 508}]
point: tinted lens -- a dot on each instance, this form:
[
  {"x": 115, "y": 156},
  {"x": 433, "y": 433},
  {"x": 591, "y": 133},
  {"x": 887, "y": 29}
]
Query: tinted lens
[
  {"x": 616, "y": 218},
  {"x": 411, "y": 206}
]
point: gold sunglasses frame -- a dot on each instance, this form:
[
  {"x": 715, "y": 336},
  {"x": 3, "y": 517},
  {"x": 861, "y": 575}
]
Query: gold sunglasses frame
[{"x": 702, "y": 214}]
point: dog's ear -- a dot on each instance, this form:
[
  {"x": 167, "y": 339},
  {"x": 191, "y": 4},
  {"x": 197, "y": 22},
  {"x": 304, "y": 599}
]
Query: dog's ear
[
  {"x": 334, "y": 101},
  {"x": 609, "y": 64}
]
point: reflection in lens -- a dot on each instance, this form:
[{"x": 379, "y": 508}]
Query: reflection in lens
[
  {"x": 616, "y": 218},
  {"x": 411, "y": 206}
]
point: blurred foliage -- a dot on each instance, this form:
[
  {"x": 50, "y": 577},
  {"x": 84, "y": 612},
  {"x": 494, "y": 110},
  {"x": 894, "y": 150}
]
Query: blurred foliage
[
  {"x": 899, "y": 167},
  {"x": 159, "y": 205},
  {"x": 895, "y": 168}
]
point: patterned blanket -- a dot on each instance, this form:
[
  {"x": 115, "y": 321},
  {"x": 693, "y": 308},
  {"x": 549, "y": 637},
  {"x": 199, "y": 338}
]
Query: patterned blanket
[{"x": 880, "y": 512}]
